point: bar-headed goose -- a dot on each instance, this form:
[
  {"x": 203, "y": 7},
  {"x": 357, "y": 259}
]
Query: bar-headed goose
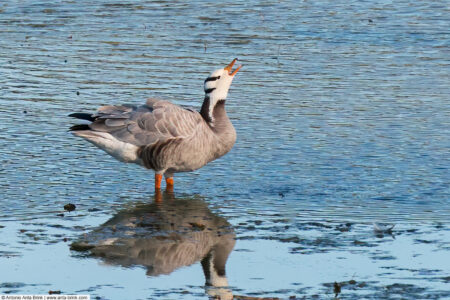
[{"x": 163, "y": 136}]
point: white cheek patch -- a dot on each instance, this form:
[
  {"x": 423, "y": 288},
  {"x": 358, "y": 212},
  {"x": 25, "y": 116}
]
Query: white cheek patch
[
  {"x": 219, "y": 93},
  {"x": 210, "y": 85}
]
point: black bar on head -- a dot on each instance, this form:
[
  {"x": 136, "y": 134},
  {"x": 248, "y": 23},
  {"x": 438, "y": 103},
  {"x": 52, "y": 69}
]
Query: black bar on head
[
  {"x": 212, "y": 78},
  {"x": 207, "y": 91}
]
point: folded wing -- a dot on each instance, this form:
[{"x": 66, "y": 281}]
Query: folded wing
[{"x": 156, "y": 121}]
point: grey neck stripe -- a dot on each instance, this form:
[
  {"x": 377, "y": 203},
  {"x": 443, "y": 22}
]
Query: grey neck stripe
[{"x": 204, "y": 111}]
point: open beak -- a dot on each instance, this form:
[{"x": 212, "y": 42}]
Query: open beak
[{"x": 228, "y": 68}]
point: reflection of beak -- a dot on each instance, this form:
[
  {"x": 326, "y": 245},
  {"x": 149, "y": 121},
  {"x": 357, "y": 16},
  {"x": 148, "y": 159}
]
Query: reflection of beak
[{"x": 228, "y": 68}]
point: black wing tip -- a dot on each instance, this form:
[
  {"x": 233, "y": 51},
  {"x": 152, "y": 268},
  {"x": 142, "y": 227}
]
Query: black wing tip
[
  {"x": 82, "y": 116},
  {"x": 79, "y": 127}
]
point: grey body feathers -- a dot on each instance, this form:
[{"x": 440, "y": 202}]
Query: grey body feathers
[{"x": 160, "y": 135}]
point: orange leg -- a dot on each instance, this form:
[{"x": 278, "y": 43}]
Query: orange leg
[
  {"x": 158, "y": 179},
  {"x": 169, "y": 184}
]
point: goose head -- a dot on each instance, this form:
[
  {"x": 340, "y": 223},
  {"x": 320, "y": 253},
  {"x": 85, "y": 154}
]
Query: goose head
[
  {"x": 216, "y": 88},
  {"x": 218, "y": 82}
]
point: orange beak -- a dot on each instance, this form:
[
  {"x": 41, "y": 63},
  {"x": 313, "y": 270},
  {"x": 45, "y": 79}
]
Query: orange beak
[{"x": 228, "y": 68}]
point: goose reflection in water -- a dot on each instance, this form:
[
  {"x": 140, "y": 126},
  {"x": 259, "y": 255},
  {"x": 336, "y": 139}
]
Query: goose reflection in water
[{"x": 164, "y": 236}]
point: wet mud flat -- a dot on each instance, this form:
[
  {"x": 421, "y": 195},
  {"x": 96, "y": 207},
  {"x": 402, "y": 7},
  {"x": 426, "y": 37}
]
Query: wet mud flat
[
  {"x": 361, "y": 262},
  {"x": 182, "y": 239}
]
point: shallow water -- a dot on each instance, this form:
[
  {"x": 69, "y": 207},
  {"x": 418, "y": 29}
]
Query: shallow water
[{"x": 342, "y": 117}]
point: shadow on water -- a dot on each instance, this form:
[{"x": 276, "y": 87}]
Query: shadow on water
[{"x": 166, "y": 235}]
